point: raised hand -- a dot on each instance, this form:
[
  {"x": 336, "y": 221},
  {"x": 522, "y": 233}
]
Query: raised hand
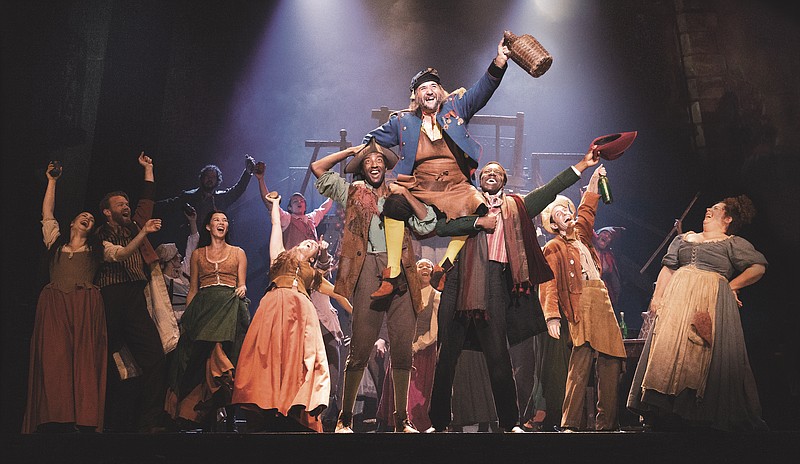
[
  {"x": 53, "y": 171},
  {"x": 323, "y": 245},
  {"x": 591, "y": 158},
  {"x": 599, "y": 171},
  {"x": 502, "y": 54},
  {"x": 258, "y": 171},
  {"x": 190, "y": 212},
  {"x": 152, "y": 225},
  {"x": 249, "y": 163},
  {"x": 145, "y": 161},
  {"x": 273, "y": 198}
]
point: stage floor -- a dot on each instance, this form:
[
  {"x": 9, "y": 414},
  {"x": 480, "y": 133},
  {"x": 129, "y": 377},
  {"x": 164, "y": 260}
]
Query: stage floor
[{"x": 223, "y": 448}]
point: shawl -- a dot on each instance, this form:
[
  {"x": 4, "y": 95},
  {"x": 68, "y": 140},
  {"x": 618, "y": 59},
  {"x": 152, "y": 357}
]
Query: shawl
[{"x": 525, "y": 258}]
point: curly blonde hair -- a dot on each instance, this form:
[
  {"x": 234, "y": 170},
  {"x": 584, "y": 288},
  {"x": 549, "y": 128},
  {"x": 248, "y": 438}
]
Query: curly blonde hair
[{"x": 288, "y": 259}]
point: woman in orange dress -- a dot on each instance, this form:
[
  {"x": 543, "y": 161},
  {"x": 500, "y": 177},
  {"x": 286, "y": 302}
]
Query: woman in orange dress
[{"x": 282, "y": 378}]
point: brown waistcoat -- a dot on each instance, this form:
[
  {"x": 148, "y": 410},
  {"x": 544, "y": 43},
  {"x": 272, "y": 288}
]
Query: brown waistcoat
[{"x": 354, "y": 251}]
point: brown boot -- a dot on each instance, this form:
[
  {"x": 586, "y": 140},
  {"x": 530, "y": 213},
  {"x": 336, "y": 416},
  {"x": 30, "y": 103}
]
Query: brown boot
[
  {"x": 439, "y": 274},
  {"x": 388, "y": 285}
]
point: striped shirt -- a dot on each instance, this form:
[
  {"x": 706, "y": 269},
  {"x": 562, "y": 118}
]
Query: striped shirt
[
  {"x": 117, "y": 272},
  {"x": 496, "y": 241}
]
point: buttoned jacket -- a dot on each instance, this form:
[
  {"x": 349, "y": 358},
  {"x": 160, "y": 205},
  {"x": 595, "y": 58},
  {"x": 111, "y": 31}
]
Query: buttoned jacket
[
  {"x": 565, "y": 261},
  {"x": 403, "y": 127}
]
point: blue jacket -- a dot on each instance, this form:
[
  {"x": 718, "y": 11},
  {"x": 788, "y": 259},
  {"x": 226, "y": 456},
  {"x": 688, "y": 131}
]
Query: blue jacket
[{"x": 403, "y": 127}]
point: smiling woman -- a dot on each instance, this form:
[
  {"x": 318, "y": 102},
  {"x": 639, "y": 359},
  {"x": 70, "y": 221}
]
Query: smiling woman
[
  {"x": 212, "y": 330},
  {"x": 282, "y": 378},
  {"x": 67, "y": 376},
  {"x": 694, "y": 369}
]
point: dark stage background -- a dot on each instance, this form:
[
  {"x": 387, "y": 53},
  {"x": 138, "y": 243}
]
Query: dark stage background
[{"x": 711, "y": 86}]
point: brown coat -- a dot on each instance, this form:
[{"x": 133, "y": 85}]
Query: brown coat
[
  {"x": 565, "y": 261},
  {"x": 354, "y": 250},
  {"x": 585, "y": 302}
]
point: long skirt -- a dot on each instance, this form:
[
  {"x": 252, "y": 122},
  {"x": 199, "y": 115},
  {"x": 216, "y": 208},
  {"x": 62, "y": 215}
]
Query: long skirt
[
  {"x": 68, "y": 360},
  {"x": 202, "y": 370},
  {"x": 283, "y": 362},
  {"x": 705, "y": 384}
]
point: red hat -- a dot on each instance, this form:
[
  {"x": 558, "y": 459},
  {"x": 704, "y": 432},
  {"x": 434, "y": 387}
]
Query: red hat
[{"x": 611, "y": 146}]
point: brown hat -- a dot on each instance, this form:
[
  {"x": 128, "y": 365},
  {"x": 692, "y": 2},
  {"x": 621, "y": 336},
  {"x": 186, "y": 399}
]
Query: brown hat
[
  {"x": 560, "y": 200},
  {"x": 361, "y": 151},
  {"x": 612, "y": 146}
]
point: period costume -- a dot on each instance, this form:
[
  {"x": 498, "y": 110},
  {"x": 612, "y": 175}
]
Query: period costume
[
  {"x": 361, "y": 262},
  {"x": 492, "y": 286},
  {"x": 296, "y": 228},
  {"x": 404, "y": 128},
  {"x": 299, "y": 227},
  {"x": 137, "y": 372},
  {"x": 213, "y": 329},
  {"x": 441, "y": 159},
  {"x": 68, "y": 359},
  {"x": 423, "y": 366},
  {"x": 283, "y": 367},
  {"x": 704, "y": 382},
  {"x": 578, "y": 292}
]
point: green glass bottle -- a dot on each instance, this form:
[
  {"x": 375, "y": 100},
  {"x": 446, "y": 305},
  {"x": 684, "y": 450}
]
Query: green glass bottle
[
  {"x": 623, "y": 327},
  {"x": 605, "y": 189}
]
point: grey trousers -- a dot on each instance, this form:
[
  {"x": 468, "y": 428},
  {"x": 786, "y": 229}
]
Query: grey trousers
[{"x": 368, "y": 316}]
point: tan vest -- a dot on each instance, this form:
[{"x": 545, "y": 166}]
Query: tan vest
[{"x": 225, "y": 272}]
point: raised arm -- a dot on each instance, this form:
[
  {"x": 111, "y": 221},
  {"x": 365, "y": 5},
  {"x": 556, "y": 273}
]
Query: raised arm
[
  {"x": 147, "y": 163},
  {"x": 232, "y": 194},
  {"x": 591, "y": 158},
  {"x": 49, "y": 202},
  {"x": 502, "y": 54},
  {"x": 262, "y": 186},
  {"x": 50, "y": 231},
  {"x": 118, "y": 253},
  {"x": 276, "y": 236},
  {"x": 145, "y": 205},
  {"x": 538, "y": 199},
  {"x": 191, "y": 241},
  {"x": 327, "y": 163},
  {"x": 599, "y": 171}
]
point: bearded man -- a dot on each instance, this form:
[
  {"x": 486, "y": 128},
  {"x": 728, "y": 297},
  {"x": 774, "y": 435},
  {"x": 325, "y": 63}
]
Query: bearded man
[{"x": 438, "y": 152}]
